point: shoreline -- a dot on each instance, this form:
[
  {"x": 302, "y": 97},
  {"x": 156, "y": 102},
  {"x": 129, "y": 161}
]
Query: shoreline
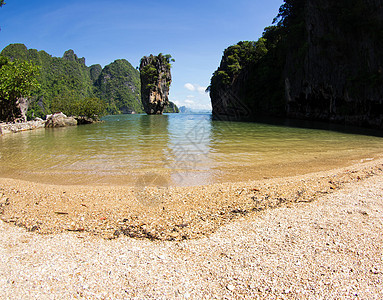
[
  {"x": 16, "y": 127},
  {"x": 51, "y": 121},
  {"x": 157, "y": 213}
]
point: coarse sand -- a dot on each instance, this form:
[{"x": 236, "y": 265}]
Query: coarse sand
[{"x": 315, "y": 236}]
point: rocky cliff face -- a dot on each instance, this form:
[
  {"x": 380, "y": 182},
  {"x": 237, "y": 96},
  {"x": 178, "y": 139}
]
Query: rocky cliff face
[
  {"x": 323, "y": 61},
  {"x": 155, "y": 83},
  {"x": 339, "y": 75},
  {"x": 11, "y": 111}
]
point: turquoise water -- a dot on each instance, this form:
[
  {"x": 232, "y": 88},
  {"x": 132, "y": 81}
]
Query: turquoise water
[{"x": 176, "y": 149}]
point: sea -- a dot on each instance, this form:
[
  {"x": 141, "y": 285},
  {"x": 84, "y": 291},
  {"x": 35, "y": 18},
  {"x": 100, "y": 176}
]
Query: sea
[{"x": 181, "y": 150}]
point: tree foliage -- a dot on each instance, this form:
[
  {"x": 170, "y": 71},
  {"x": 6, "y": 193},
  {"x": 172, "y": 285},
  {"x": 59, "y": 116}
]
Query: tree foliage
[
  {"x": 151, "y": 68},
  {"x": 235, "y": 58},
  {"x": 17, "y": 79},
  {"x": 117, "y": 84},
  {"x": 58, "y": 76},
  {"x": 289, "y": 12},
  {"x": 171, "y": 108},
  {"x": 69, "y": 104}
]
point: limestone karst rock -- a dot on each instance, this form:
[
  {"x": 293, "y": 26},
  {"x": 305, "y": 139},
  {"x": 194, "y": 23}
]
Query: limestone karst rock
[{"x": 155, "y": 83}]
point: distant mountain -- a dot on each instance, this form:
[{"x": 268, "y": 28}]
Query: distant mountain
[
  {"x": 171, "y": 108},
  {"x": 188, "y": 110},
  {"x": 62, "y": 78},
  {"x": 184, "y": 110}
]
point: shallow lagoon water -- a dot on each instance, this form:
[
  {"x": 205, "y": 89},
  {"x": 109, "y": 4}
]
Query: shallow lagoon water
[{"x": 176, "y": 150}]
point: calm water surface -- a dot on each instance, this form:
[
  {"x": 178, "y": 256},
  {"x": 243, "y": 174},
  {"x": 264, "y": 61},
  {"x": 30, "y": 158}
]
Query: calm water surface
[{"x": 176, "y": 149}]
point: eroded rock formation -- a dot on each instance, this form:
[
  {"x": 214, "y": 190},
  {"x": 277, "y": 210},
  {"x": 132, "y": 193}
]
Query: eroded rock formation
[
  {"x": 155, "y": 83},
  {"x": 14, "y": 111}
]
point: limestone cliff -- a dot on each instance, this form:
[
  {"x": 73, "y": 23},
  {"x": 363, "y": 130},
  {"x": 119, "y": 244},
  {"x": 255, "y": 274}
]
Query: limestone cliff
[
  {"x": 339, "y": 75},
  {"x": 322, "y": 61},
  {"x": 155, "y": 83}
]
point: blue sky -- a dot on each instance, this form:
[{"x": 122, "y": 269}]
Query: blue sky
[{"x": 195, "y": 33}]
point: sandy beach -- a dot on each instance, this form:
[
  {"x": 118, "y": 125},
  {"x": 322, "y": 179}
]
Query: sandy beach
[
  {"x": 159, "y": 213},
  {"x": 305, "y": 237}
]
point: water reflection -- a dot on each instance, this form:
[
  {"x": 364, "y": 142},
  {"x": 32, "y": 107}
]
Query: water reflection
[
  {"x": 258, "y": 150},
  {"x": 152, "y": 140},
  {"x": 190, "y": 139}
]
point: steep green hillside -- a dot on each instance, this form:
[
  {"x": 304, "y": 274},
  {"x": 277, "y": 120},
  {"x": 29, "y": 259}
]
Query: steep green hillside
[
  {"x": 59, "y": 77},
  {"x": 119, "y": 86},
  {"x": 66, "y": 83}
]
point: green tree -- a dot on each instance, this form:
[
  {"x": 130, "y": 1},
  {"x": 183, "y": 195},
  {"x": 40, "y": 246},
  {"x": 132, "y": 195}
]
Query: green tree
[
  {"x": 17, "y": 79},
  {"x": 91, "y": 108},
  {"x": 57, "y": 77},
  {"x": 69, "y": 104},
  {"x": 290, "y": 12}
]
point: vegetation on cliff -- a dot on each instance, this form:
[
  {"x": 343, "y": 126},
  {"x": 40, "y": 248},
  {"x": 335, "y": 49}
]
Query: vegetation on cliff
[
  {"x": 118, "y": 84},
  {"x": 60, "y": 79},
  {"x": 322, "y": 60},
  {"x": 171, "y": 108},
  {"x": 66, "y": 84},
  {"x": 249, "y": 75},
  {"x": 155, "y": 82}
]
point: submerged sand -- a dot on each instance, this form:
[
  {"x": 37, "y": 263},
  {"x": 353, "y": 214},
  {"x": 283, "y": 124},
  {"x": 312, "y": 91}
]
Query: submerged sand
[{"x": 172, "y": 213}]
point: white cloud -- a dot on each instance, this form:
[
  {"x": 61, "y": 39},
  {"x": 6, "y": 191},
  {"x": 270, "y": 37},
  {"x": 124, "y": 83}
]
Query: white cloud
[
  {"x": 195, "y": 98},
  {"x": 188, "y": 101},
  {"x": 189, "y": 86},
  {"x": 195, "y": 87},
  {"x": 201, "y": 89}
]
